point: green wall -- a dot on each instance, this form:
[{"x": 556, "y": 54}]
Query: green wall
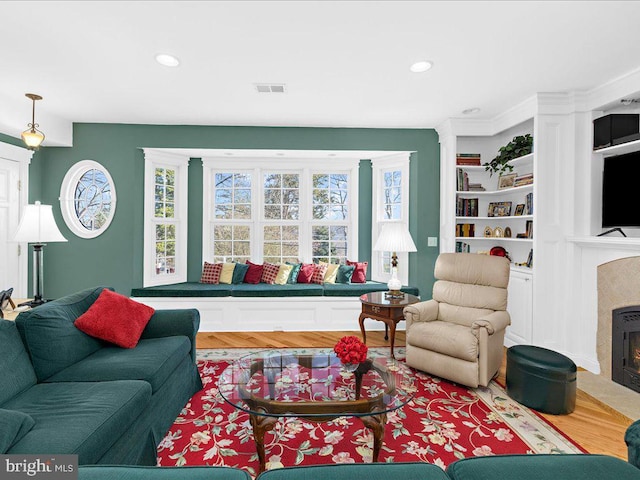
[{"x": 115, "y": 257}]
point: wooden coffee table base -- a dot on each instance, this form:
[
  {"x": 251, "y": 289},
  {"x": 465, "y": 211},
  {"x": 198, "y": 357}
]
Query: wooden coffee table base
[{"x": 261, "y": 424}]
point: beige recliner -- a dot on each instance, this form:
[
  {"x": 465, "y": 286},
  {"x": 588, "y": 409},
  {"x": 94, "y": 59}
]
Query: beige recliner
[{"x": 459, "y": 334}]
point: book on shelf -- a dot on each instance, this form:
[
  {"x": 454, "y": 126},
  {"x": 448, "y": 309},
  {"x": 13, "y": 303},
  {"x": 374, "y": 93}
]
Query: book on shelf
[
  {"x": 476, "y": 187},
  {"x": 528, "y": 209},
  {"x": 465, "y": 230},
  {"x": 463, "y": 247},
  {"x": 462, "y": 181},
  {"x": 523, "y": 180},
  {"x": 467, "y": 207},
  {"x": 468, "y": 159}
]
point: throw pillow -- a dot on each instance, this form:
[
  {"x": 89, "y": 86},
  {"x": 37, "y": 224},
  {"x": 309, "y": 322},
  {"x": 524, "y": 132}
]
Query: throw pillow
[
  {"x": 239, "y": 271},
  {"x": 283, "y": 274},
  {"x": 116, "y": 319},
  {"x": 320, "y": 270},
  {"x": 345, "y": 272},
  {"x": 254, "y": 274},
  {"x": 295, "y": 270},
  {"x": 269, "y": 273},
  {"x": 360, "y": 272},
  {"x": 13, "y": 426},
  {"x": 306, "y": 272},
  {"x": 332, "y": 272},
  {"x": 211, "y": 273},
  {"x": 226, "y": 276}
]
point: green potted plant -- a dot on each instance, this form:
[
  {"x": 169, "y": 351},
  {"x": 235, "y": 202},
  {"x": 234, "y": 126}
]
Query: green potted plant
[{"x": 519, "y": 146}]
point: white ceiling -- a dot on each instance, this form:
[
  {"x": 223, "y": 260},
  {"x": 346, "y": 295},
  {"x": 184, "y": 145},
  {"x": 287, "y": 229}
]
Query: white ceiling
[{"x": 345, "y": 64}]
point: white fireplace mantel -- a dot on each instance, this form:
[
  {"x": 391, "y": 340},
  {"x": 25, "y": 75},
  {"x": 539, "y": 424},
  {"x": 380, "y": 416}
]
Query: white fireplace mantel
[{"x": 619, "y": 243}]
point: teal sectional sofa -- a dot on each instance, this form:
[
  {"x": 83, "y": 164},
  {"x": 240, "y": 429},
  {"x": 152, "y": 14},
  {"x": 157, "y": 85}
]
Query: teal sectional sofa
[
  {"x": 64, "y": 392},
  {"x": 499, "y": 467},
  {"x": 195, "y": 289}
]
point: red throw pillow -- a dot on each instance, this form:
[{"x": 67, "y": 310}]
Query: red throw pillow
[
  {"x": 319, "y": 271},
  {"x": 360, "y": 272},
  {"x": 116, "y": 319},
  {"x": 269, "y": 273},
  {"x": 254, "y": 274},
  {"x": 211, "y": 273},
  {"x": 306, "y": 272}
]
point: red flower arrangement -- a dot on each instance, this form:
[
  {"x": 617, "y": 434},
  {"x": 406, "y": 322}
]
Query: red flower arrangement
[{"x": 351, "y": 350}]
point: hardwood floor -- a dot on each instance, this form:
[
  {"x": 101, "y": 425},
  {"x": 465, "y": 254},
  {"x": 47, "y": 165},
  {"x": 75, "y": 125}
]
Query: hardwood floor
[{"x": 593, "y": 425}]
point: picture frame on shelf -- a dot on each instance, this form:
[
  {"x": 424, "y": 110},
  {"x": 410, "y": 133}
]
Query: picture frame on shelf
[
  {"x": 507, "y": 232},
  {"x": 506, "y": 181},
  {"x": 498, "y": 232},
  {"x": 488, "y": 231},
  {"x": 499, "y": 209},
  {"x": 519, "y": 210}
]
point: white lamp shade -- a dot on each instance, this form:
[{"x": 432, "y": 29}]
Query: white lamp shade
[
  {"x": 395, "y": 237},
  {"x": 37, "y": 225}
]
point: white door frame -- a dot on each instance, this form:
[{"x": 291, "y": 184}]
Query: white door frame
[{"x": 23, "y": 157}]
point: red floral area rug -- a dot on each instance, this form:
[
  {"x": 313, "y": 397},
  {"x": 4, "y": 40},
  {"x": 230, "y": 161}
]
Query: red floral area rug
[{"x": 444, "y": 422}]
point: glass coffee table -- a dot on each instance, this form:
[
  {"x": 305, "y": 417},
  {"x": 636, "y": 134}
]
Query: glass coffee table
[{"x": 317, "y": 387}]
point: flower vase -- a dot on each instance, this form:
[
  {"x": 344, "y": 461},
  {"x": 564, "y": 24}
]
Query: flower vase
[{"x": 350, "y": 367}]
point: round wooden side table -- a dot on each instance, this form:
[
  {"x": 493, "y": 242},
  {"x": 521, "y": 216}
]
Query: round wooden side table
[{"x": 377, "y": 306}]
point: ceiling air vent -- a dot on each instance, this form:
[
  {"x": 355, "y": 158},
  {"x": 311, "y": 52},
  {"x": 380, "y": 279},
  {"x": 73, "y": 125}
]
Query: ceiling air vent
[{"x": 270, "y": 87}]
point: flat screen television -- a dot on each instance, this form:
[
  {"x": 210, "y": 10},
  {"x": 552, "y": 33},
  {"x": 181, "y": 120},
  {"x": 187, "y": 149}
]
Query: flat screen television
[{"x": 620, "y": 200}]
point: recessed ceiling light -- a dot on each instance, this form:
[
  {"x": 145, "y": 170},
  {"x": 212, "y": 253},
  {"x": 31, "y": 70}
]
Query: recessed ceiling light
[
  {"x": 167, "y": 60},
  {"x": 469, "y": 111},
  {"x": 421, "y": 66}
]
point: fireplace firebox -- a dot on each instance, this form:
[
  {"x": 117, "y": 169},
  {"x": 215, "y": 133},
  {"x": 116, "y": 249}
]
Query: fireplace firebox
[{"x": 625, "y": 347}]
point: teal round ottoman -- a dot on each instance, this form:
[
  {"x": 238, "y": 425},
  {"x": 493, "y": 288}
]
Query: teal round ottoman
[{"x": 541, "y": 379}]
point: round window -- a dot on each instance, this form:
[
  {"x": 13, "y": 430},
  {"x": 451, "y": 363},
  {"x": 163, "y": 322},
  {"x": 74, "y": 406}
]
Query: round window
[{"x": 88, "y": 199}]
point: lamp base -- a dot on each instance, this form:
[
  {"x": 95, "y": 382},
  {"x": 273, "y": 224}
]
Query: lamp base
[{"x": 394, "y": 294}]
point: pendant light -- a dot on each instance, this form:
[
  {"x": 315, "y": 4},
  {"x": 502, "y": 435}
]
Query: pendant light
[{"x": 33, "y": 137}]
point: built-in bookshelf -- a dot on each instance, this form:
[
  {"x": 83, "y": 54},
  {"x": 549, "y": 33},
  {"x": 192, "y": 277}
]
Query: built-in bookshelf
[{"x": 495, "y": 210}]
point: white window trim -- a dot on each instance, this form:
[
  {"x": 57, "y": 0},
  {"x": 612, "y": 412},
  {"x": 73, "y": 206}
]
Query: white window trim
[
  {"x": 67, "y": 198},
  {"x": 258, "y": 166},
  {"x": 379, "y": 167},
  {"x": 154, "y": 159}
]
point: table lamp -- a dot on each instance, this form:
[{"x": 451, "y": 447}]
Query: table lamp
[
  {"x": 394, "y": 237},
  {"x": 38, "y": 227}
]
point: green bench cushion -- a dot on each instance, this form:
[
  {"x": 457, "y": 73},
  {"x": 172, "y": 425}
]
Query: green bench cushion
[
  {"x": 266, "y": 290},
  {"x": 83, "y": 418},
  {"x": 351, "y": 471},
  {"x": 357, "y": 289},
  {"x": 121, "y": 472},
  {"x": 187, "y": 289},
  {"x": 153, "y": 360},
  {"x": 195, "y": 289},
  {"x": 535, "y": 467}
]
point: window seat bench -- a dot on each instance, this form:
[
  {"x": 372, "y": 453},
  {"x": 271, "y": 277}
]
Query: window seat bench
[{"x": 264, "y": 307}]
